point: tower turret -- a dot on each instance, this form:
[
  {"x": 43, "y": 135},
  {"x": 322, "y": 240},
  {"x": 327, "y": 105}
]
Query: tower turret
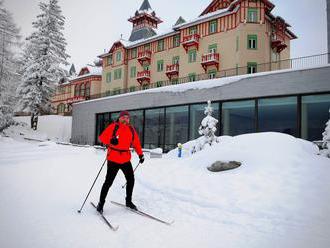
[{"x": 144, "y": 22}]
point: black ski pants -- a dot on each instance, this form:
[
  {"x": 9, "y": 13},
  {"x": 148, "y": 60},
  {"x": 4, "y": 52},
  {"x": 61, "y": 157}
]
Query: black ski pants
[{"x": 112, "y": 171}]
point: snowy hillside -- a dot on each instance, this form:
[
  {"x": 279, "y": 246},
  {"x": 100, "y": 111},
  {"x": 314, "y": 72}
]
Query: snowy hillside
[{"x": 279, "y": 197}]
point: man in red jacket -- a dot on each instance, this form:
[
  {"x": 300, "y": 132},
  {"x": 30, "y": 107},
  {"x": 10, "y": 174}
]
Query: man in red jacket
[{"x": 118, "y": 137}]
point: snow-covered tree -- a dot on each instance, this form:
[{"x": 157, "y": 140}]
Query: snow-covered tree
[
  {"x": 9, "y": 39},
  {"x": 207, "y": 129},
  {"x": 43, "y": 60},
  {"x": 326, "y": 140}
]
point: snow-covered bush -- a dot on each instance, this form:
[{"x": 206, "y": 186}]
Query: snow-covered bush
[
  {"x": 326, "y": 140},
  {"x": 207, "y": 129}
]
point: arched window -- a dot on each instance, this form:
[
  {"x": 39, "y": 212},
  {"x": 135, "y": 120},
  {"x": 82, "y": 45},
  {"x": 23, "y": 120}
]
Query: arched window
[
  {"x": 60, "y": 108},
  {"x": 77, "y": 90},
  {"x": 82, "y": 90},
  {"x": 88, "y": 89}
]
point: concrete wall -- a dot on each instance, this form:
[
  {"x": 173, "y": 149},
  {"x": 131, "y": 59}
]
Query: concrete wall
[{"x": 306, "y": 81}]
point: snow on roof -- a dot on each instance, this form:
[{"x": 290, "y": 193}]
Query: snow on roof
[
  {"x": 93, "y": 71},
  {"x": 204, "y": 84}
]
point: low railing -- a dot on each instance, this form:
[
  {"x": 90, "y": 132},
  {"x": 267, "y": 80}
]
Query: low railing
[
  {"x": 173, "y": 67},
  {"x": 143, "y": 74},
  {"x": 210, "y": 57},
  {"x": 144, "y": 54},
  {"x": 190, "y": 38},
  {"x": 296, "y": 63}
]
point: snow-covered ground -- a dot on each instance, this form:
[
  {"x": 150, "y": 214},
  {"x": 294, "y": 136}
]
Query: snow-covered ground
[{"x": 279, "y": 197}]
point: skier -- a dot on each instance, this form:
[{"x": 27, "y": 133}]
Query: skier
[{"x": 118, "y": 137}]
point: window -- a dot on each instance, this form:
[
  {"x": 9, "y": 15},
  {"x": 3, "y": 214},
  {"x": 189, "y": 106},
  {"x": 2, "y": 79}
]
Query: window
[
  {"x": 154, "y": 123},
  {"x": 252, "y": 15},
  {"x": 251, "y": 67},
  {"x": 176, "y": 60},
  {"x": 193, "y": 30},
  {"x": 176, "y": 41},
  {"x": 88, "y": 89},
  {"x": 213, "y": 26},
  {"x": 161, "y": 46},
  {"x": 278, "y": 115},
  {"x": 109, "y": 60},
  {"x": 108, "y": 77},
  {"x": 252, "y": 42},
  {"x": 133, "y": 53},
  {"x": 145, "y": 86},
  {"x": 238, "y": 117},
  {"x": 117, "y": 74},
  {"x": 77, "y": 90},
  {"x": 192, "y": 77},
  {"x": 212, "y": 74},
  {"x": 116, "y": 91},
  {"x": 160, "y": 65},
  {"x": 133, "y": 71},
  {"x": 196, "y": 117},
  {"x": 82, "y": 90},
  {"x": 159, "y": 84},
  {"x": 192, "y": 55},
  {"x": 314, "y": 116},
  {"x": 147, "y": 47},
  {"x": 213, "y": 48},
  {"x": 132, "y": 89},
  {"x": 61, "y": 108},
  {"x": 118, "y": 56},
  {"x": 176, "y": 126}
]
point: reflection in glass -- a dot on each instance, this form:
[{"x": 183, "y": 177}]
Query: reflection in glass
[
  {"x": 154, "y": 128},
  {"x": 197, "y": 115},
  {"x": 176, "y": 126},
  {"x": 136, "y": 120},
  {"x": 278, "y": 115},
  {"x": 238, "y": 117},
  {"x": 314, "y": 116}
]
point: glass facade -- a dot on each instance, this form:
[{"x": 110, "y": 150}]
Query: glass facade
[
  {"x": 314, "y": 116},
  {"x": 166, "y": 126},
  {"x": 278, "y": 115},
  {"x": 176, "y": 126},
  {"x": 136, "y": 121},
  {"x": 196, "y": 117},
  {"x": 238, "y": 117},
  {"x": 154, "y": 126}
]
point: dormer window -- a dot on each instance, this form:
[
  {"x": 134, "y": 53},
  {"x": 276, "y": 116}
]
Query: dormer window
[
  {"x": 118, "y": 56},
  {"x": 252, "y": 15},
  {"x": 193, "y": 30}
]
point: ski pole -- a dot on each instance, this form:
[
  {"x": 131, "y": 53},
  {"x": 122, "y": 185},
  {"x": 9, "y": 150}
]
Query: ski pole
[
  {"x": 79, "y": 211},
  {"x": 133, "y": 172}
]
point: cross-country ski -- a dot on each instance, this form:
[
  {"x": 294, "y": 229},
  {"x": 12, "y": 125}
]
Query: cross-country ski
[
  {"x": 113, "y": 228},
  {"x": 142, "y": 213}
]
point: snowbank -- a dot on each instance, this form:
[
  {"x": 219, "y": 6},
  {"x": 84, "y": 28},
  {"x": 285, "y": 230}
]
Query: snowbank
[
  {"x": 50, "y": 127},
  {"x": 279, "y": 197}
]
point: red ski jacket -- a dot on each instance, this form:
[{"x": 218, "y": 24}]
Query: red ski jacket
[{"x": 120, "y": 153}]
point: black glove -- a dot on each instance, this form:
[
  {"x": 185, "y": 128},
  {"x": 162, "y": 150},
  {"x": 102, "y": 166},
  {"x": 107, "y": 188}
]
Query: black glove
[{"x": 141, "y": 158}]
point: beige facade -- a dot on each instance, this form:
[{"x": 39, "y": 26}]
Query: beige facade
[{"x": 227, "y": 34}]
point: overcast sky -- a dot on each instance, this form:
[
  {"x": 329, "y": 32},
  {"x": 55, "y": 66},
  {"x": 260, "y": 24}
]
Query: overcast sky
[{"x": 92, "y": 26}]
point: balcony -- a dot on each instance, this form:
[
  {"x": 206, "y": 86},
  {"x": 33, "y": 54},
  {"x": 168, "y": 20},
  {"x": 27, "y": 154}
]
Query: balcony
[
  {"x": 210, "y": 59},
  {"x": 278, "y": 45},
  {"x": 76, "y": 99},
  {"x": 172, "y": 70},
  {"x": 190, "y": 41},
  {"x": 144, "y": 56},
  {"x": 143, "y": 76}
]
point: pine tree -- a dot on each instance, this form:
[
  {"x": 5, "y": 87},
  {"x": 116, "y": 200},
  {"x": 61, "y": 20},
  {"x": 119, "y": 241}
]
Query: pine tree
[
  {"x": 9, "y": 38},
  {"x": 44, "y": 54},
  {"x": 326, "y": 139},
  {"x": 207, "y": 129}
]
